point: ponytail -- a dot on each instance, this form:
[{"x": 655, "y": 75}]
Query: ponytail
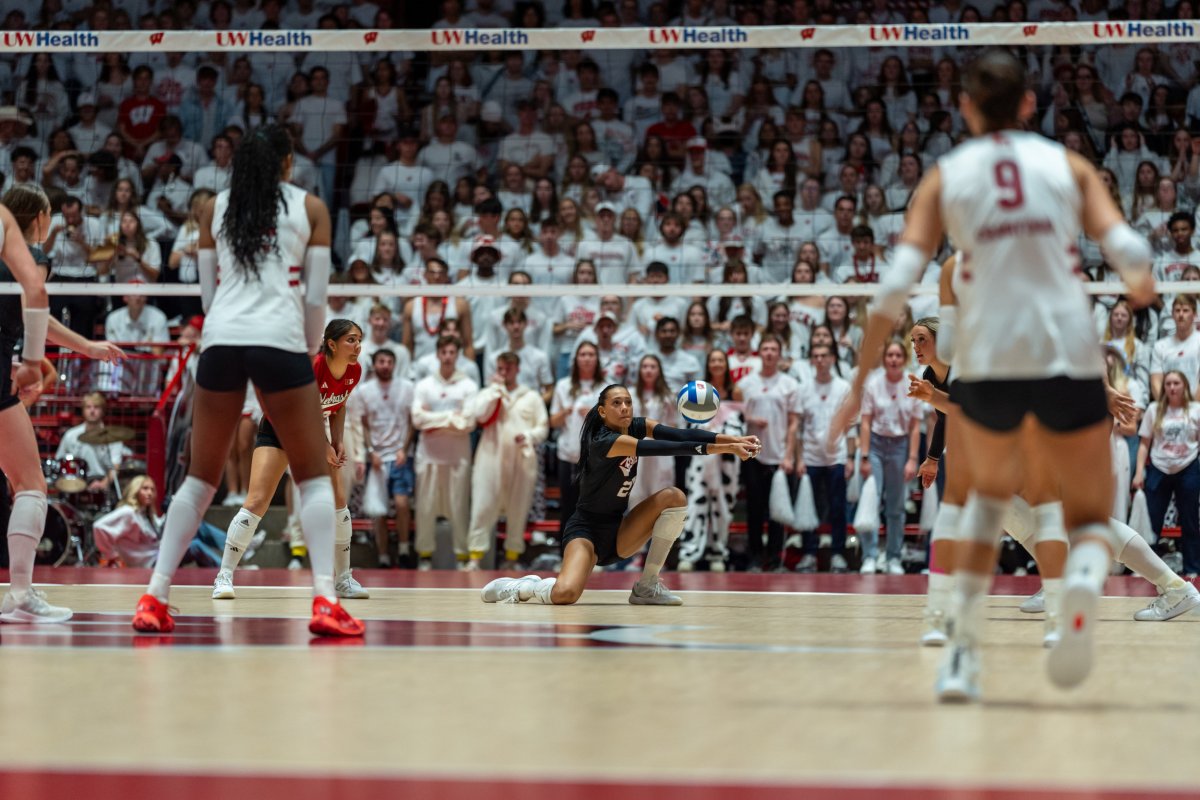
[
  {"x": 255, "y": 196},
  {"x": 592, "y": 424}
]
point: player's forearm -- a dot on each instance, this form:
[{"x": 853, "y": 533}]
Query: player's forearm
[{"x": 665, "y": 433}]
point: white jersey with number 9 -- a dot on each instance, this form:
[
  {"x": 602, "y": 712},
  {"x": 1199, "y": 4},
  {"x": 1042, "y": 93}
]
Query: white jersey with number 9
[{"x": 1012, "y": 204}]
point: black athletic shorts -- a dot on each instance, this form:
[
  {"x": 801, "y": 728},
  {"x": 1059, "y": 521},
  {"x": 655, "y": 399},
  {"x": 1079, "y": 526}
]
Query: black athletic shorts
[
  {"x": 266, "y": 436},
  {"x": 226, "y": 368},
  {"x": 1061, "y": 404},
  {"x": 600, "y": 531}
]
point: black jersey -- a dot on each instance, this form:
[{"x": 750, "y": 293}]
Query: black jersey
[
  {"x": 937, "y": 439},
  {"x": 605, "y": 483},
  {"x": 12, "y": 325}
]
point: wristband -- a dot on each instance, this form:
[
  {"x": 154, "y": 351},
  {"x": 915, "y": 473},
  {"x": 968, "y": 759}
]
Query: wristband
[{"x": 37, "y": 322}]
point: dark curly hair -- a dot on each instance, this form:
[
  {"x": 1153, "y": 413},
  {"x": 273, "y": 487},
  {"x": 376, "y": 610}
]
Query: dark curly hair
[{"x": 255, "y": 196}]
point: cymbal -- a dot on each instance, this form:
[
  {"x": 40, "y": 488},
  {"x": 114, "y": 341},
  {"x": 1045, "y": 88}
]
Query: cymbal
[{"x": 108, "y": 435}]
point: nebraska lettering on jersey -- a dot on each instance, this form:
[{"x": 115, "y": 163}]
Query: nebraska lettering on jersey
[{"x": 335, "y": 391}]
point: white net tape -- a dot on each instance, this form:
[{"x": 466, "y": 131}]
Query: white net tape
[
  {"x": 682, "y": 38},
  {"x": 567, "y": 290}
]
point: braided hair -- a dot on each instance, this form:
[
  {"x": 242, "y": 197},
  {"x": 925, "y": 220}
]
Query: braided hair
[
  {"x": 255, "y": 196},
  {"x": 592, "y": 424}
]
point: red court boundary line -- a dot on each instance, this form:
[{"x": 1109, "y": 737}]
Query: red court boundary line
[{"x": 56, "y": 785}]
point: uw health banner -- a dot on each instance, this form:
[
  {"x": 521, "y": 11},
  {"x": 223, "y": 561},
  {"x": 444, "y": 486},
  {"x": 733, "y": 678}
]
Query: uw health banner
[{"x": 1053, "y": 33}]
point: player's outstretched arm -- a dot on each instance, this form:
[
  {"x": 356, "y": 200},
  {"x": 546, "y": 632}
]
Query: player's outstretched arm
[
  {"x": 666, "y": 433},
  {"x": 626, "y": 446}
]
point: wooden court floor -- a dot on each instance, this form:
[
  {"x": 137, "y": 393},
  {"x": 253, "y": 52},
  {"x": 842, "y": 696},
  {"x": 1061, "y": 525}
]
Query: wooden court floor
[{"x": 790, "y": 686}]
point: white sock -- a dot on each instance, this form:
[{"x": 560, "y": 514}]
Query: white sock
[
  {"x": 343, "y": 532},
  {"x": 941, "y": 586},
  {"x": 404, "y": 548},
  {"x": 26, "y": 524},
  {"x": 541, "y": 592},
  {"x": 970, "y": 600},
  {"x": 667, "y": 528},
  {"x": 1088, "y": 562},
  {"x": 241, "y": 530},
  {"x": 317, "y": 521},
  {"x": 1139, "y": 557},
  {"x": 1052, "y": 589},
  {"x": 183, "y": 520}
]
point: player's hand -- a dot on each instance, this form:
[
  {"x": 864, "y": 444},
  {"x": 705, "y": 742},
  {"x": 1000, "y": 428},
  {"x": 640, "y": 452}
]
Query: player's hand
[
  {"x": 104, "y": 351},
  {"x": 910, "y": 469},
  {"x": 1121, "y": 406},
  {"x": 920, "y": 389},
  {"x": 27, "y": 374},
  {"x": 331, "y": 456},
  {"x": 341, "y": 453},
  {"x": 739, "y": 449},
  {"x": 928, "y": 472}
]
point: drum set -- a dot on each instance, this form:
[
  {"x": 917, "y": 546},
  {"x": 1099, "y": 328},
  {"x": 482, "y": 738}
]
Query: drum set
[{"x": 73, "y": 505}]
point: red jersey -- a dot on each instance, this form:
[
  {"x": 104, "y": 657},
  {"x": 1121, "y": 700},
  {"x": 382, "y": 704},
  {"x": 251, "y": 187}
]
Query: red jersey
[
  {"x": 741, "y": 366},
  {"x": 334, "y": 392},
  {"x": 141, "y": 115}
]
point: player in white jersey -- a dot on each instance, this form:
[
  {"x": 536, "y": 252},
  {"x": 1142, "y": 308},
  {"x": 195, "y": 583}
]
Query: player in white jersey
[
  {"x": 1029, "y": 374},
  {"x": 258, "y": 241}
]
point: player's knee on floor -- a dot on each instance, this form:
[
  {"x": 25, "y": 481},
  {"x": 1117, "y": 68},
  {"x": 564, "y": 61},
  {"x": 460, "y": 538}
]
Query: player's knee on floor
[{"x": 565, "y": 594}]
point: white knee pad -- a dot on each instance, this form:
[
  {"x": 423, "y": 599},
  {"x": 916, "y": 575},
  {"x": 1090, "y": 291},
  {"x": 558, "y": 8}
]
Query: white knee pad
[
  {"x": 1020, "y": 523},
  {"x": 1100, "y": 530},
  {"x": 28, "y": 516},
  {"x": 1049, "y": 522},
  {"x": 670, "y": 523},
  {"x": 946, "y": 524}
]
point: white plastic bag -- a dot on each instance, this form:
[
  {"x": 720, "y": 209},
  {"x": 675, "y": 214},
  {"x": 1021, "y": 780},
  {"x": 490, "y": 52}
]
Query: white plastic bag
[
  {"x": 866, "y": 518},
  {"x": 929, "y": 508},
  {"x": 780, "y": 502},
  {"x": 805, "y": 510},
  {"x": 375, "y": 494},
  {"x": 1139, "y": 517}
]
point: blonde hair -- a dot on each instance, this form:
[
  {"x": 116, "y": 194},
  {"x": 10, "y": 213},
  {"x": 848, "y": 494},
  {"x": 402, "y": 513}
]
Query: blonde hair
[
  {"x": 130, "y": 496},
  {"x": 1130, "y": 341},
  {"x": 95, "y": 398},
  {"x": 1162, "y": 401}
]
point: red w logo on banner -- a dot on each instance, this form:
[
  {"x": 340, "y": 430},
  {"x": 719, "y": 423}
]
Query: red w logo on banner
[
  {"x": 156, "y": 38},
  {"x": 587, "y": 36},
  {"x": 807, "y": 33},
  {"x": 370, "y": 37},
  {"x": 1029, "y": 30}
]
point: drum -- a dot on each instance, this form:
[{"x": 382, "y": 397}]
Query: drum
[
  {"x": 50, "y": 470},
  {"x": 62, "y": 523},
  {"x": 72, "y": 475}
]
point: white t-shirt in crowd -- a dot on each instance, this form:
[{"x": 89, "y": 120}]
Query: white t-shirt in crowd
[
  {"x": 386, "y": 410},
  {"x": 1176, "y": 444},
  {"x": 889, "y": 405},
  {"x": 769, "y": 399},
  {"x": 816, "y": 404},
  {"x": 1171, "y": 354}
]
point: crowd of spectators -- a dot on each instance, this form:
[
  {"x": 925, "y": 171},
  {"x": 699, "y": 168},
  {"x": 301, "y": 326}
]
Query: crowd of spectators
[{"x": 588, "y": 167}]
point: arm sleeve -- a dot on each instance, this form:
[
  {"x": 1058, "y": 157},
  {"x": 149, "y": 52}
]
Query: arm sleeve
[
  {"x": 665, "y": 433},
  {"x": 206, "y": 267},
  {"x": 317, "y": 263},
  {"x": 655, "y": 447},
  {"x": 937, "y": 439}
]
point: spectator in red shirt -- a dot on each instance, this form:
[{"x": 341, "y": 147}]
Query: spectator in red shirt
[
  {"x": 673, "y": 130},
  {"x": 139, "y": 115}
]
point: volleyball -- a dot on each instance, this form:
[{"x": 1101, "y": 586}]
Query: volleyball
[{"x": 697, "y": 402}]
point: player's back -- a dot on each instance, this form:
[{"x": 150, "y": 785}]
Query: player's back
[
  {"x": 266, "y": 309},
  {"x": 1011, "y": 203}
]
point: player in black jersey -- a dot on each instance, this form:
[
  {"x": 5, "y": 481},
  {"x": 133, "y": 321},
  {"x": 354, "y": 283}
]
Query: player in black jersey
[
  {"x": 600, "y": 531},
  {"x": 26, "y": 213}
]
